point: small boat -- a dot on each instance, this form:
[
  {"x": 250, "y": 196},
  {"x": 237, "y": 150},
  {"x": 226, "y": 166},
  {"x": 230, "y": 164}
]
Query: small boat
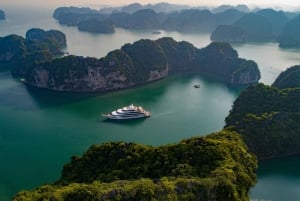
[
  {"x": 128, "y": 112},
  {"x": 197, "y": 85},
  {"x": 156, "y": 32}
]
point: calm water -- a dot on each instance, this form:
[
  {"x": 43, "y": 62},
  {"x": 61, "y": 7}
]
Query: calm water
[{"x": 40, "y": 130}]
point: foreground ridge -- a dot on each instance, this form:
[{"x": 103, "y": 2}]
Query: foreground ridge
[{"x": 216, "y": 167}]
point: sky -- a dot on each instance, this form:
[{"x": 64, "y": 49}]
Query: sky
[{"x": 287, "y": 4}]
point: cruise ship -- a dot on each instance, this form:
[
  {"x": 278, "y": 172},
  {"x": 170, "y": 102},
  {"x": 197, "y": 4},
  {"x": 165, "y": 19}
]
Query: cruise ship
[{"x": 128, "y": 112}]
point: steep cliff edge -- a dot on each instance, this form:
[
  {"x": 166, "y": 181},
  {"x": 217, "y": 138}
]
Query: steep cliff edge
[
  {"x": 141, "y": 62},
  {"x": 268, "y": 118},
  {"x": 289, "y": 78},
  {"x": 20, "y": 54},
  {"x": 138, "y": 63}
]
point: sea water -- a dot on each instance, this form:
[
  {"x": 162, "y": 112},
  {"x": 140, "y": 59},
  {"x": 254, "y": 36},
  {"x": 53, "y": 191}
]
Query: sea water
[{"x": 40, "y": 130}]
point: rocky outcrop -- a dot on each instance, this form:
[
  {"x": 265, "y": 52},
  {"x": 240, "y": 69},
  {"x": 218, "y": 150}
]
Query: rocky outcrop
[
  {"x": 142, "y": 62},
  {"x": 12, "y": 48},
  {"x": 55, "y": 40},
  {"x": 150, "y": 17},
  {"x": 268, "y": 119},
  {"x": 278, "y": 20},
  {"x": 241, "y": 7},
  {"x": 258, "y": 28},
  {"x": 20, "y": 54},
  {"x": 215, "y": 167},
  {"x": 138, "y": 63},
  {"x": 290, "y": 37},
  {"x": 265, "y": 25},
  {"x": 228, "y": 33},
  {"x": 2, "y": 15},
  {"x": 289, "y": 78},
  {"x": 97, "y": 26}
]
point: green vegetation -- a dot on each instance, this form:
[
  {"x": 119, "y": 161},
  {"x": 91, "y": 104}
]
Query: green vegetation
[
  {"x": 256, "y": 27},
  {"x": 228, "y": 33},
  {"x": 221, "y": 61},
  {"x": 96, "y": 26},
  {"x": 52, "y": 39},
  {"x": 290, "y": 78},
  {"x": 141, "y": 62},
  {"x": 264, "y": 25},
  {"x": 290, "y": 37},
  {"x": 180, "y": 54},
  {"x": 216, "y": 167},
  {"x": 278, "y": 19},
  {"x": 149, "y": 17},
  {"x": 39, "y": 46},
  {"x": 146, "y": 56},
  {"x": 268, "y": 119}
]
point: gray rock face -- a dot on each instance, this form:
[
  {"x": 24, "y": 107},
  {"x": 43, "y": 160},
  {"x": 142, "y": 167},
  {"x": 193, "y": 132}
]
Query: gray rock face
[
  {"x": 142, "y": 62},
  {"x": 229, "y": 33}
]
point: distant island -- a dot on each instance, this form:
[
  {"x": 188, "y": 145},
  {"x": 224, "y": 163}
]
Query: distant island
[
  {"x": 235, "y": 24},
  {"x": 216, "y": 167},
  {"x": 96, "y": 26},
  {"x": 19, "y": 54},
  {"x": 136, "y": 16},
  {"x": 263, "y": 25},
  {"x": 290, "y": 37},
  {"x": 2, "y": 15},
  {"x": 142, "y": 62},
  {"x": 268, "y": 117}
]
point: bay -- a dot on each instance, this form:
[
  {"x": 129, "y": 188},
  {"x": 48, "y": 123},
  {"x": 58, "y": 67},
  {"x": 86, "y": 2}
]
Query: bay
[{"x": 40, "y": 130}]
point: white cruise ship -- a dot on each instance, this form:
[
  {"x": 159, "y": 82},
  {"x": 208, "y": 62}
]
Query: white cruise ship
[{"x": 128, "y": 112}]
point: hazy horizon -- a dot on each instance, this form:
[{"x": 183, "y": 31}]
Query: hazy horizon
[{"x": 277, "y": 4}]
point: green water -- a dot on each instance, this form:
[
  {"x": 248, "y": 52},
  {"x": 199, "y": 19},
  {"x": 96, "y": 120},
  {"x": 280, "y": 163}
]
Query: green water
[{"x": 40, "y": 130}]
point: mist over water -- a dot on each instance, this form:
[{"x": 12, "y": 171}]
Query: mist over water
[{"x": 40, "y": 130}]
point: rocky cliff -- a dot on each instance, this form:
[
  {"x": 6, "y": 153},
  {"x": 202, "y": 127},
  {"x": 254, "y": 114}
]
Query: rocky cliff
[
  {"x": 229, "y": 33},
  {"x": 289, "y": 78},
  {"x": 150, "y": 17},
  {"x": 20, "y": 54},
  {"x": 142, "y": 62},
  {"x": 290, "y": 36},
  {"x": 268, "y": 117},
  {"x": 97, "y": 26},
  {"x": 264, "y": 25},
  {"x": 2, "y": 15}
]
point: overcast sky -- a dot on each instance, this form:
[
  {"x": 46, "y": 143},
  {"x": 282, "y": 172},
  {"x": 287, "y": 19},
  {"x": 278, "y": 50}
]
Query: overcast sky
[{"x": 263, "y": 3}]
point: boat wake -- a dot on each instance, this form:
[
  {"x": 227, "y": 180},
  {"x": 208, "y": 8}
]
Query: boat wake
[{"x": 165, "y": 113}]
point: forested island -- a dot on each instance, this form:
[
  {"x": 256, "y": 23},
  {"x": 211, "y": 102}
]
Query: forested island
[
  {"x": 151, "y": 17},
  {"x": 96, "y": 26},
  {"x": 261, "y": 26},
  {"x": 225, "y": 23},
  {"x": 290, "y": 37},
  {"x": 268, "y": 117},
  {"x": 216, "y": 167},
  {"x": 142, "y": 62},
  {"x": 20, "y": 54},
  {"x": 2, "y": 15}
]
